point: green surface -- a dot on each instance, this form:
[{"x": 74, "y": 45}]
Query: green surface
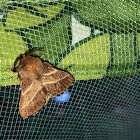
[
  {"x": 52, "y": 37},
  {"x": 119, "y": 15},
  {"x": 139, "y": 43},
  {"x": 124, "y": 59},
  {"x": 50, "y": 10},
  {"x": 89, "y": 60},
  {"x": 13, "y": 43},
  {"x": 20, "y": 18}
]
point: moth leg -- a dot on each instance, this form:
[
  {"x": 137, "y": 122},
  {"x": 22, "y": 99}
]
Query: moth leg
[
  {"x": 42, "y": 56},
  {"x": 15, "y": 69},
  {"x": 9, "y": 69},
  {"x": 16, "y": 76},
  {"x": 48, "y": 97}
]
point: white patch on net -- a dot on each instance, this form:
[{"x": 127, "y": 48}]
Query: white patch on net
[
  {"x": 79, "y": 31},
  {"x": 96, "y": 32},
  {"x": 1, "y": 16}
]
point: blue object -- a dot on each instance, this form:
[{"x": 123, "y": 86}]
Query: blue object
[{"x": 63, "y": 97}]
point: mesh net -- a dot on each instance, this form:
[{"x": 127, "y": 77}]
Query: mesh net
[{"x": 98, "y": 42}]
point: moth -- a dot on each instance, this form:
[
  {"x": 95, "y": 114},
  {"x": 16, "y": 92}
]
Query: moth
[{"x": 39, "y": 82}]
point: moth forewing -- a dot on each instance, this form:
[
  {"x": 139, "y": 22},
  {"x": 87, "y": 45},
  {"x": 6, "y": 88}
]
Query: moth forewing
[{"x": 32, "y": 99}]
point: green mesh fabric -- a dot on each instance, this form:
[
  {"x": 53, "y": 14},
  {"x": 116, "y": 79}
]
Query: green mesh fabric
[{"x": 98, "y": 42}]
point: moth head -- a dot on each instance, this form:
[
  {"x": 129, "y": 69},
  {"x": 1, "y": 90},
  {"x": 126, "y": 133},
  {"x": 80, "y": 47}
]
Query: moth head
[
  {"x": 26, "y": 60},
  {"x": 20, "y": 58},
  {"x": 17, "y": 62}
]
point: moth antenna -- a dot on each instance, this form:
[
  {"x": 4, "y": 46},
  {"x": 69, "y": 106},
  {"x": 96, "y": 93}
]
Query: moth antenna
[
  {"x": 31, "y": 51},
  {"x": 23, "y": 56},
  {"x": 12, "y": 69},
  {"x": 17, "y": 60}
]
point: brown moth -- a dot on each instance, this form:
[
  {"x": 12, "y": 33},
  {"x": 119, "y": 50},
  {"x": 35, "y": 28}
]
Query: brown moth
[{"x": 39, "y": 82}]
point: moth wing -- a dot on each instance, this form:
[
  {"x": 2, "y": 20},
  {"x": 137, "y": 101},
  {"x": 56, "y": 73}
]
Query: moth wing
[
  {"x": 32, "y": 97},
  {"x": 55, "y": 81}
]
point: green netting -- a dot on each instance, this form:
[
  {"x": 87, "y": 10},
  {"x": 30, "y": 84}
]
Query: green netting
[{"x": 98, "y": 42}]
